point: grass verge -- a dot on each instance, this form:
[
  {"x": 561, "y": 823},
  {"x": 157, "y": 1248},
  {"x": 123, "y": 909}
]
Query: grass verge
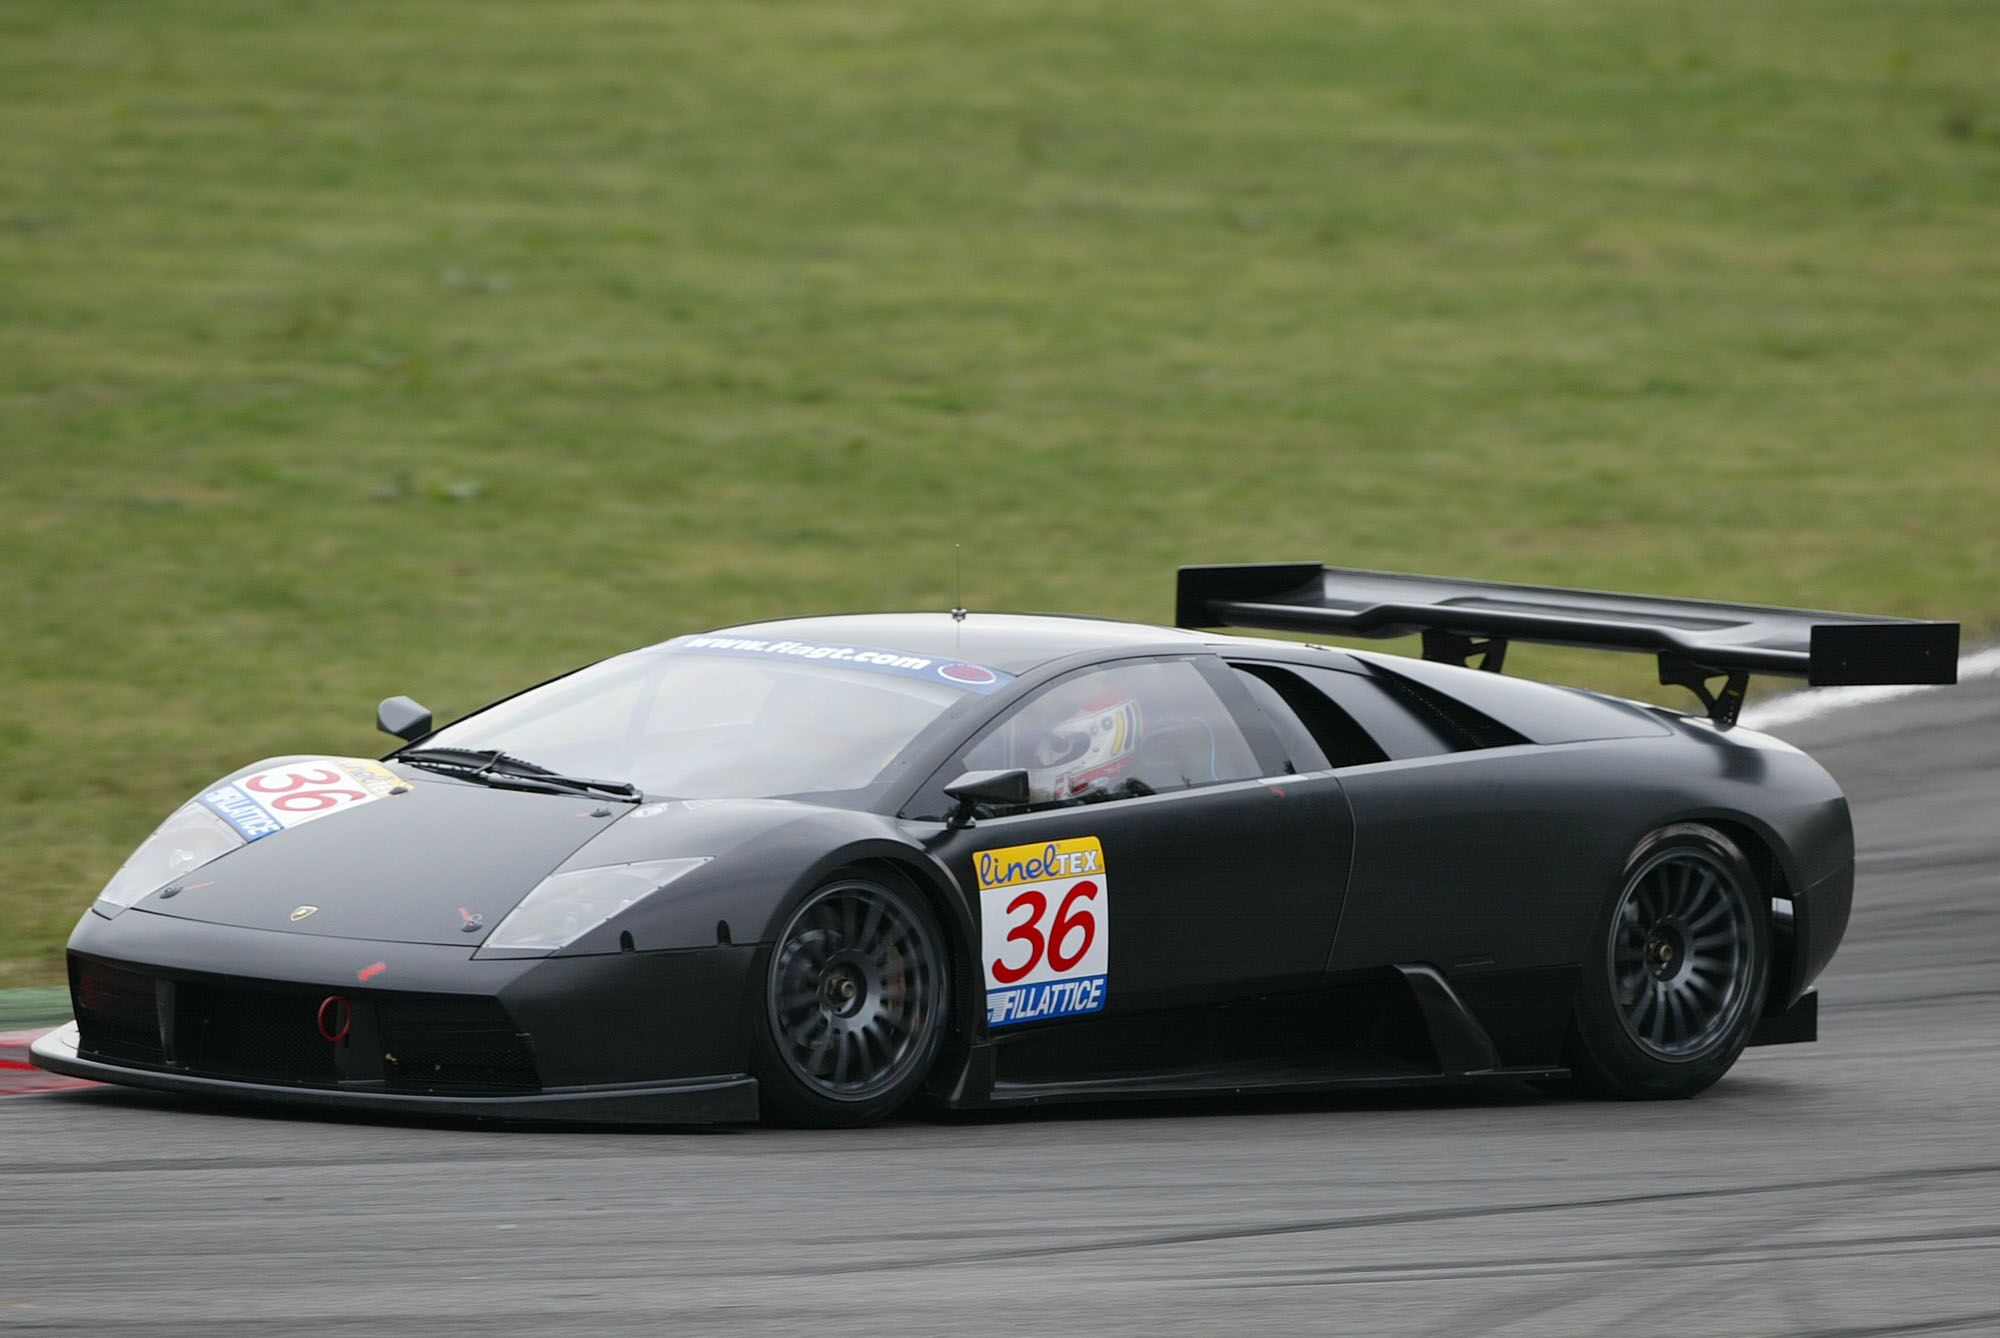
[{"x": 355, "y": 347}]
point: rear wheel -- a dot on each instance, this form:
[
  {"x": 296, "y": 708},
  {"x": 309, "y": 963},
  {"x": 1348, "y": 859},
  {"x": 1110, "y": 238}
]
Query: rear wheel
[
  {"x": 1676, "y": 972},
  {"x": 855, "y": 1003}
]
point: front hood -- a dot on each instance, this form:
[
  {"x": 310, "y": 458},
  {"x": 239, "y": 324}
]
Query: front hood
[{"x": 441, "y": 863}]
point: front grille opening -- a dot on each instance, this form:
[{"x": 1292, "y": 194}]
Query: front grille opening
[
  {"x": 250, "y": 1031},
  {"x": 453, "y": 1045},
  {"x": 117, "y": 1012},
  {"x": 259, "y": 1035}
]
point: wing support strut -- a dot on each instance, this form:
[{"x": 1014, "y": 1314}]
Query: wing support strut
[
  {"x": 1451, "y": 648},
  {"x": 1722, "y": 704}
]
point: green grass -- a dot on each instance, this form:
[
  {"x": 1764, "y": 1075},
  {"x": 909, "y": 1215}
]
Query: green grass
[{"x": 352, "y": 348}]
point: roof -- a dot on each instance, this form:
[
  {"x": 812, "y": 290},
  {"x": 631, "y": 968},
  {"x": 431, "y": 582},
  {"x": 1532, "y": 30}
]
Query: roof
[{"x": 1011, "y": 642}]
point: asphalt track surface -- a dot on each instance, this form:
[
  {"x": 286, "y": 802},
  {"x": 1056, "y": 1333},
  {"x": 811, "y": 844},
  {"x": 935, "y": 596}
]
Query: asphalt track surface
[{"x": 1847, "y": 1188}]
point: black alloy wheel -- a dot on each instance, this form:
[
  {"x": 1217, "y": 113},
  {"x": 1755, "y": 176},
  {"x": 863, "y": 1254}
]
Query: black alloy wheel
[
  {"x": 1680, "y": 951},
  {"x": 855, "y": 1004},
  {"x": 1678, "y": 970}
]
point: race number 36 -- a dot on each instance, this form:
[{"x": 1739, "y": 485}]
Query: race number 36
[
  {"x": 266, "y": 802},
  {"x": 1061, "y": 940},
  {"x": 307, "y": 790},
  {"x": 1045, "y": 913}
]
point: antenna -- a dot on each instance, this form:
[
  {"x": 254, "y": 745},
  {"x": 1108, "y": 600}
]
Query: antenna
[{"x": 957, "y": 592}]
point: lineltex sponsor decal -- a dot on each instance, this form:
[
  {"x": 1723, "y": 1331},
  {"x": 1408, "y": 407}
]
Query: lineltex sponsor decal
[
  {"x": 267, "y": 802},
  {"x": 1045, "y": 929},
  {"x": 970, "y": 677}
]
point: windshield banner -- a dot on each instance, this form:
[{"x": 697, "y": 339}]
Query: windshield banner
[{"x": 956, "y": 673}]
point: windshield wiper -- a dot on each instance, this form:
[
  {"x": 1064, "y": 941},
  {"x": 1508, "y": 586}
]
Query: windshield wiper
[{"x": 490, "y": 766}]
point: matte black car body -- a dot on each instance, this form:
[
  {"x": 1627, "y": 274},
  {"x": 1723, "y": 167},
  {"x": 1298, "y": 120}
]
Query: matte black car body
[{"x": 1419, "y": 918}]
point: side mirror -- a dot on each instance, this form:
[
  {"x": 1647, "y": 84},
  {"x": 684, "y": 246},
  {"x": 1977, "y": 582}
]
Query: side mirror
[
  {"x": 999, "y": 789},
  {"x": 403, "y": 718}
]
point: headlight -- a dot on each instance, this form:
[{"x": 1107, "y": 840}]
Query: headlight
[
  {"x": 183, "y": 843},
  {"x": 565, "y": 906}
]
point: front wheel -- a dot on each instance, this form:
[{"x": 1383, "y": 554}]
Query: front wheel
[
  {"x": 855, "y": 1004},
  {"x": 1676, "y": 973}
]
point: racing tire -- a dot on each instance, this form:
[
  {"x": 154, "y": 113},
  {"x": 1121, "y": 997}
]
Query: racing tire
[
  {"x": 1676, "y": 971},
  {"x": 856, "y": 998}
]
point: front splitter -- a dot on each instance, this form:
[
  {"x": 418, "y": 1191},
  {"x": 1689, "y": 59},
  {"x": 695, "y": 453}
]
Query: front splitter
[{"x": 725, "y": 1099}]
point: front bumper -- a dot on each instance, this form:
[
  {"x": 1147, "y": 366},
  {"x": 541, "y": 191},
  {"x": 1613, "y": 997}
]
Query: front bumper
[
  {"x": 179, "y": 1005},
  {"x": 717, "y": 1100}
]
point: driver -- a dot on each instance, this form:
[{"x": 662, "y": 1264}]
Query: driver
[{"x": 1090, "y": 749}]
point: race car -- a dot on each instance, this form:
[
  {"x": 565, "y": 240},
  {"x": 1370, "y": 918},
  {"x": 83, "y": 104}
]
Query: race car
[{"x": 815, "y": 870}]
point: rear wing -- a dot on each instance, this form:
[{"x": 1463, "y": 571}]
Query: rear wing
[{"x": 1696, "y": 640}]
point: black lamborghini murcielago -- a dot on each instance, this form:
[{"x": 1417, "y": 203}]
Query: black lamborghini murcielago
[{"x": 815, "y": 869}]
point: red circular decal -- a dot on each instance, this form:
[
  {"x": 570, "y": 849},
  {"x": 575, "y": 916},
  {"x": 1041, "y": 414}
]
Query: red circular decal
[{"x": 968, "y": 673}]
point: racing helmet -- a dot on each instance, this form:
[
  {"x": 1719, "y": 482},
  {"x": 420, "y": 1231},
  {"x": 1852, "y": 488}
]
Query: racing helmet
[{"x": 1091, "y": 748}]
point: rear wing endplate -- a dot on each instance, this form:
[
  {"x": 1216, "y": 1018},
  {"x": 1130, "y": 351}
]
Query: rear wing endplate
[{"x": 1696, "y": 640}]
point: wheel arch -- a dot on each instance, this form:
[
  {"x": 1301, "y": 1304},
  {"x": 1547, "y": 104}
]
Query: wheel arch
[
  {"x": 1771, "y": 864},
  {"x": 918, "y": 873},
  {"x": 1604, "y": 1052},
  {"x": 1769, "y": 857}
]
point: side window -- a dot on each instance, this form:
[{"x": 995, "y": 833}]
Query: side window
[
  {"x": 1406, "y": 719},
  {"x": 1316, "y": 733},
  {"x": 1133, "y": 729},
  {"x": 1466, "y": 727}
]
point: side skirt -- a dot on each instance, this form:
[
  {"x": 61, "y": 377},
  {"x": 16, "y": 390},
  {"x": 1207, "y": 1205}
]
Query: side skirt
[
  {"x": 1401, "y": 1028},
  {"x": 1244, "y": 1082}
]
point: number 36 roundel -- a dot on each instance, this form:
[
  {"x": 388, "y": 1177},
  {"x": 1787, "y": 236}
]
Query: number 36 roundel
[
  {"x": 267, "y": 802},
  {"x": 1045, "y": 915}
]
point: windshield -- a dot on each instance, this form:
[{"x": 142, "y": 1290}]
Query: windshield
[{"x": 694, "y": 720}]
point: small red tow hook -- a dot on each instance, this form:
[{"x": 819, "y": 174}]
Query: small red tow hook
[{"x": 336, "y": 1015}]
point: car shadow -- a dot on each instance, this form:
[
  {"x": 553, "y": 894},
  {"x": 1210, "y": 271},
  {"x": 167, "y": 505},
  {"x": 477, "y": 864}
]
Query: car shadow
[{"x": 1734, "y": 1089}]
